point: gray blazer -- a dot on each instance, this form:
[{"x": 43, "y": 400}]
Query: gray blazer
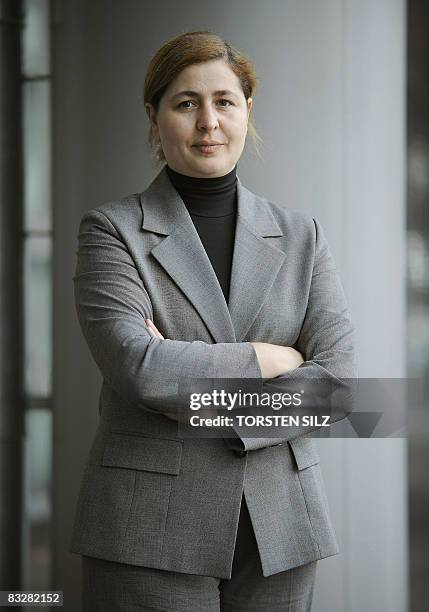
[{"x": 149, "y": 496}]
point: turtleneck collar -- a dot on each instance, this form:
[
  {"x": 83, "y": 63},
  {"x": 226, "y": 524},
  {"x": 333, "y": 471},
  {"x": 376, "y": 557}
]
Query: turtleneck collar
[{"x": 206, "y": 197}]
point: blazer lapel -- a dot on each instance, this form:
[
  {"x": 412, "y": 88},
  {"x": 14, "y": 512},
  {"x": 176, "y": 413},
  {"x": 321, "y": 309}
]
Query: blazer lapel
[
  {"x": 255, "y": 263},
  {"x": 183, "y": 256},
  {"x": 254, "y": 267}
]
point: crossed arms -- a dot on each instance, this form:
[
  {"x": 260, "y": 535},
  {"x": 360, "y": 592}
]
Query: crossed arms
[{"x": 113, "y": 305}]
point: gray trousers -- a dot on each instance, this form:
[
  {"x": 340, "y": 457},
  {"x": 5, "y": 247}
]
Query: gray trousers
[{"x": 120, "y": 587}]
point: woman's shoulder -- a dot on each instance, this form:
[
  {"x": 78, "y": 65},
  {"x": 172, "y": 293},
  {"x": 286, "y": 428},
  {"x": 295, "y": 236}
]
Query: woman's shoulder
[{"x": 117, "y": 211}]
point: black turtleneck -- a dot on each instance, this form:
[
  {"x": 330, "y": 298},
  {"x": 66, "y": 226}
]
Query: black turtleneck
[{"x": 212, "y": 206}]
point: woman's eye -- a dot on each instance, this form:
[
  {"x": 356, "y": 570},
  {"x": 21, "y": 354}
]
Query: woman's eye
[
  {"x": 181, "y": 105},
  {"x": 184, "y": 102}
]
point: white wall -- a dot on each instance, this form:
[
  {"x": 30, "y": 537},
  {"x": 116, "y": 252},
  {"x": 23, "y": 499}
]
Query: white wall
[{"x": 331, "y": 109}]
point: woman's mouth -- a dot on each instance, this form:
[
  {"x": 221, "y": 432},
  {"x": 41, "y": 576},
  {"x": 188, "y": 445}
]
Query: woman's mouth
[{"x": 208, "y": 149}]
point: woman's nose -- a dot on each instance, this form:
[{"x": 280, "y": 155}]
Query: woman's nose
[{"x": 207, "y": 119}]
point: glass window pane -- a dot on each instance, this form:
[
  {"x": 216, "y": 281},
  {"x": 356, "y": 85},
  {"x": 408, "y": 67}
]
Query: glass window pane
[
  {"x": 35, "y": 38},
  {"x": 37, "y": 155},
  {"x": 37, "y": 316},
  {"x": 38, "y": 510}
]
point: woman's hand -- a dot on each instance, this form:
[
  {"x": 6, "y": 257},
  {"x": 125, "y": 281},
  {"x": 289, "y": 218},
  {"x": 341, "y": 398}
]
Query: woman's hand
[
  {"x": 174, "y": 416},
  {"x": 275, "y": 360},
  {"x": 207, "y": 412},
  {"x": 153, "y": 329}
]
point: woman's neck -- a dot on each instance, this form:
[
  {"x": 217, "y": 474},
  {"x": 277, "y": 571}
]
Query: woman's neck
[{"x": 210, "y": 197}]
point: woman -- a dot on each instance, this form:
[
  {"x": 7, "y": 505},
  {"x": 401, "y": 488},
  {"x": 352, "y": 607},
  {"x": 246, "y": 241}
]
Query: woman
[{"x": 197, "y": 277}]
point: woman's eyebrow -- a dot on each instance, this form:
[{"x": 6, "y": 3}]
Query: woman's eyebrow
[{"x": 219, "y": 92}]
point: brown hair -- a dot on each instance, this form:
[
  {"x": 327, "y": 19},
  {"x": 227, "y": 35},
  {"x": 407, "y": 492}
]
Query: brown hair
[{"x": 194, "y": 48}]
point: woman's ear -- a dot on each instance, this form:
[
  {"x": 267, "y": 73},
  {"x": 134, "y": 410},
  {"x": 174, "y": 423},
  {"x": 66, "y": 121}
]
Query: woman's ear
[
  {"x": 148, "y": 108},
  {"x": 150, "y": 111},
  {"x": 249, "y": 106}
]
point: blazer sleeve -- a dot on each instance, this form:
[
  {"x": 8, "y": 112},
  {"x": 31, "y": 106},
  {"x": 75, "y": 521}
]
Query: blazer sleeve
[
  {"x": 326, "y": 341},
  {"x": 112, "y": 305}
]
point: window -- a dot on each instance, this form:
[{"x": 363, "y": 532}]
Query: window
[{"x": 37, "y": 292}]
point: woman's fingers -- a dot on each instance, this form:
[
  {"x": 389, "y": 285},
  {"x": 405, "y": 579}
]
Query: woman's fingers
[
  {"x": 149, "y": 328},
  {"x": 275, "y": 359},
  {"x": 297, "y": 356},
  {"x": 153, "y": 329}
]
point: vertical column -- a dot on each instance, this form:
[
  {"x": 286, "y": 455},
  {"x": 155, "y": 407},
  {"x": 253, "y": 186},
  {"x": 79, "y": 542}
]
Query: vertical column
[{"x": 11, "y": 400}]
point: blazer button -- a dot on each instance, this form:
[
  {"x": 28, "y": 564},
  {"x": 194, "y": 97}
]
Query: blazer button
[{"x": 240, "y": 453}]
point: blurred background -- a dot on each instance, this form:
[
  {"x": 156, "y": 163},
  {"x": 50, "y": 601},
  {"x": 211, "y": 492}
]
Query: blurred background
[{"x": 342, "y": 107}]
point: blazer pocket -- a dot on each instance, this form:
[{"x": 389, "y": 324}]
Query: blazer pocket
[
  {"x": 304, "y": 451},
  {"x": 139, "y": 452}
]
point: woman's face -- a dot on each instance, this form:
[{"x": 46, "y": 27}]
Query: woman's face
[{"x": 205, "y": 102}]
